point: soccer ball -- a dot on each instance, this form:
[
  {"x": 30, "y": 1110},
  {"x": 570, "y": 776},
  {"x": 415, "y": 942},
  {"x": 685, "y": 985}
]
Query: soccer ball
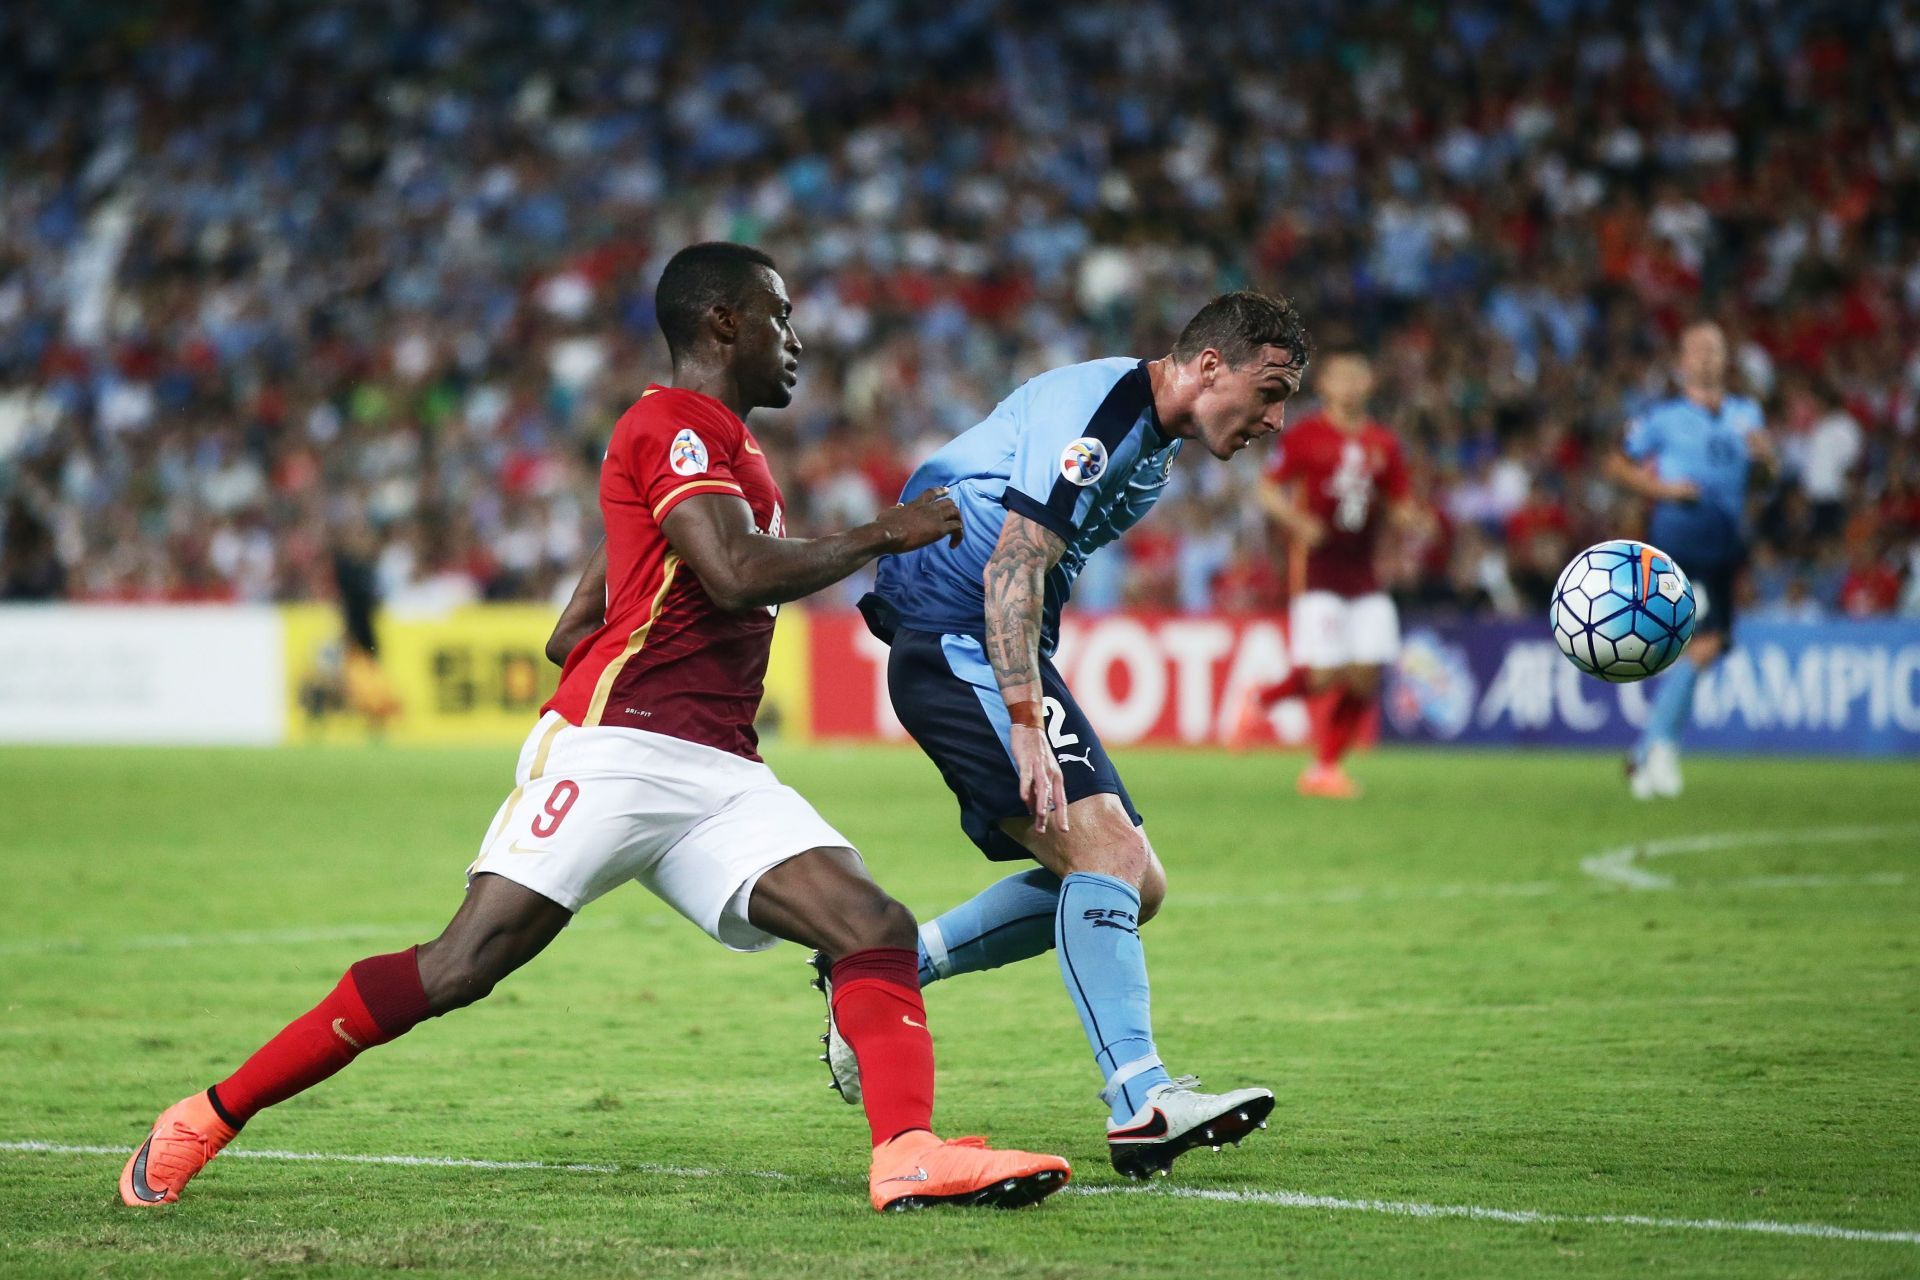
[{"x": 1622, "y": 611}]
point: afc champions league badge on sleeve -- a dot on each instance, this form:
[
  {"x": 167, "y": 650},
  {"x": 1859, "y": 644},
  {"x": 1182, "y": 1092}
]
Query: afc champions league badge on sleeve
[
  {"x": 1083, "y": 461},
  {"x": 687, "y": 455}
]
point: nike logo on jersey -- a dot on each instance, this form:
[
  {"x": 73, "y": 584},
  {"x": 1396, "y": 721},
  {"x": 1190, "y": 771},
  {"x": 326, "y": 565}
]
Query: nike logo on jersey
[
  {"x": 340, "y": 1029},
  {"x": 910, "y": 1022}
]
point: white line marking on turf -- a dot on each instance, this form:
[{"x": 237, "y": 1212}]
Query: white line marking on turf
[
  {"x": 1279, "y": 1199},
  {"x": 430, "y": 1162},
  {"x": 1621, "y": 865},
  {"x": 1415, "y": 1209}
]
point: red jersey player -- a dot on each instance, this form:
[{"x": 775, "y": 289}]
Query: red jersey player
[
  {"x": 643, "y": 767},
  {"x": 1335, "y": 480}
]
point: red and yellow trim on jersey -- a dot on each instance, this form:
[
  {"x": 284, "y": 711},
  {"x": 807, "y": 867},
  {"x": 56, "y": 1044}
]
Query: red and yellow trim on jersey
[
  {"x": 711, "y": 484},
  {"x": 603, "y": 687}
]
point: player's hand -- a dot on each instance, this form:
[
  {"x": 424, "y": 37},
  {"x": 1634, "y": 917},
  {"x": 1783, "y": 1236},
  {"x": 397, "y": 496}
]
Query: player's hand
[
  {"x": 928, "y": 518},
  {"x": 1683, "y": 491},
  {"x": 1043, "y": 789},
  {"x": 1309, "y": 531}
]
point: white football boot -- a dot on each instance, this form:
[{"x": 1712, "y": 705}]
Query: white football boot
[
  {"x": 1176, "y": 1117},
  {"x": 1665, "y": 759},
  {"x": 843, "y": 1068},
  {"x": 1657, "y": 775}
]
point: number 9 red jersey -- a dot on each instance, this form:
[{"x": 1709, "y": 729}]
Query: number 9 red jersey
[{"x": 667, "y": 659}]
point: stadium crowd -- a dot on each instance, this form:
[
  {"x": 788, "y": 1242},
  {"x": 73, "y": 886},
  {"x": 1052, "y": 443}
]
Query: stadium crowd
[{"x": 277, "y": 278}]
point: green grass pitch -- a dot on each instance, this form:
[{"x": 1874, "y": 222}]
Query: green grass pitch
[{"x": 1455, "y": 1015}]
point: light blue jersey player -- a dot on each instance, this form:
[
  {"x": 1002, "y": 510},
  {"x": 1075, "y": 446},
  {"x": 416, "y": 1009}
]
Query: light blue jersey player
[
  {"x": 1693, "y": 455},
  {"x": 1059, "y": 469},
  {"x": 1078, "y": 450}
]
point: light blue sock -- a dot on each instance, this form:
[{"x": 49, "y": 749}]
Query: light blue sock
[
  {"x": 1672, "y": 707},
  {"x": 1098, "y": 934},
  {"x": 1009, "y": 920}
]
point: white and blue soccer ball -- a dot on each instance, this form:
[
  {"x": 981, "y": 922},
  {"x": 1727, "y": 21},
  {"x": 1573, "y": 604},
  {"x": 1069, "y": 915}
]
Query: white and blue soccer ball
[{"x": 1622, "y": 611}]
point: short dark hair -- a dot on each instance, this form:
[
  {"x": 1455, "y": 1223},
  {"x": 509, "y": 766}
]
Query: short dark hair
[
  {"x": 1238, "y": 324},
  {"x": 698, "y": 277}
]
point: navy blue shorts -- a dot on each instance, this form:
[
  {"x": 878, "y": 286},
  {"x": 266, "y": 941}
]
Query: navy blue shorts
[
  {"x": 1714, "y": 584},
  {"x": 944, "y": 692}
]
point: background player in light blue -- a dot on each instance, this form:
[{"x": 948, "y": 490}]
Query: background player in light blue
[
  {"x": 1692, "y": 456},
  {"x": 1059, "y": 469}
]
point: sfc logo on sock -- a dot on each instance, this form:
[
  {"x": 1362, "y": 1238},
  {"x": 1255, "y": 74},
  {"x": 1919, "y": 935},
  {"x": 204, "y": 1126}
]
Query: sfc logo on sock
[
  {"x": 1112, "y": 918},
  {"x": 1083, "y": 461}
]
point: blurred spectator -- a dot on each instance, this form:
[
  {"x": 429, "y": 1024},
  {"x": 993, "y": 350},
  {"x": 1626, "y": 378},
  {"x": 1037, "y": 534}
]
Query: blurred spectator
[
  {"x": 1826, "y": 457},
  {"x": 1871, "y": 587},
  {"x": 403, "y": 278},
  {"x": 29, "y": 567}
]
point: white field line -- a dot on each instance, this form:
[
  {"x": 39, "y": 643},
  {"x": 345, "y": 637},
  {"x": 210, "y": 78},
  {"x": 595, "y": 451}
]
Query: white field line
[
  {"x": 1480, "y": 1213},
  {"x": 1278, "y": 1199},
  {"x": 1622, "y": 865},
  {"x": 428, "y": 1162}
]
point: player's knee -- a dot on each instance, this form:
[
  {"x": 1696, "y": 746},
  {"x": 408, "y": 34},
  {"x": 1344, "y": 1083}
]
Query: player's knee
[
  {"x": 876, "y": 920},
  {"x": 1364, "y": 681},
  {"x": 1111, "y": 849},
  {"x": 456, "y": 981},
  {"x": 1153, "y": 889}
]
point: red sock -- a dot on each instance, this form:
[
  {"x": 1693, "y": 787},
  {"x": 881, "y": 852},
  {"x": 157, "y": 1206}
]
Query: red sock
[
  {"x": 876, "y": 1002},
  {"x": 377, "y": 1000},
  {"x": 1294, "y": 686},
  {"x": 1343, "y": 726}
]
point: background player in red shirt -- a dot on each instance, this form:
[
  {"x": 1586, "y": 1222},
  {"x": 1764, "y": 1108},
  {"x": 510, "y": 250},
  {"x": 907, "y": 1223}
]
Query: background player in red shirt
[
  {"x": 643, "y": 767},
  {"x": 1337, "y": 477}
]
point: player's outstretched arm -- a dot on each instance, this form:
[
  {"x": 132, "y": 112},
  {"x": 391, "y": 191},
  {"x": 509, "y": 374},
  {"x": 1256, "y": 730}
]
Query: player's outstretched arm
[
  {"x": 584, "y": 612},
  {"x": 1280, "y": 499},
  {"x": 1016, "y": 589},
  {"x": 740, "y": 567}
]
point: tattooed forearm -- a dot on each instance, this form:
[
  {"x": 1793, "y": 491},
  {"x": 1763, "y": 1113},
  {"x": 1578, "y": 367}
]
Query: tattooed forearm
[{"x": 1016, "y": 586}]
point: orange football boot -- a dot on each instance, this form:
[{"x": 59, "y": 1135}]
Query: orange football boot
[
  {"x": 1328, "y": 781},
  {"x": 184, "y": 1138},
  {"x": 917, "y": 1169},
  {"x": 1251, "y": 725}
]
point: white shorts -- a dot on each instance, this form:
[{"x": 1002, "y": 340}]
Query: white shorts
[
  {"x": 596, "y": 807},
  {"x": 1341, "y": 631}
]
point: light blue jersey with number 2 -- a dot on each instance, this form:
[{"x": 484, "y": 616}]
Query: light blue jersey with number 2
[{"x": 1078, "y": 450}]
